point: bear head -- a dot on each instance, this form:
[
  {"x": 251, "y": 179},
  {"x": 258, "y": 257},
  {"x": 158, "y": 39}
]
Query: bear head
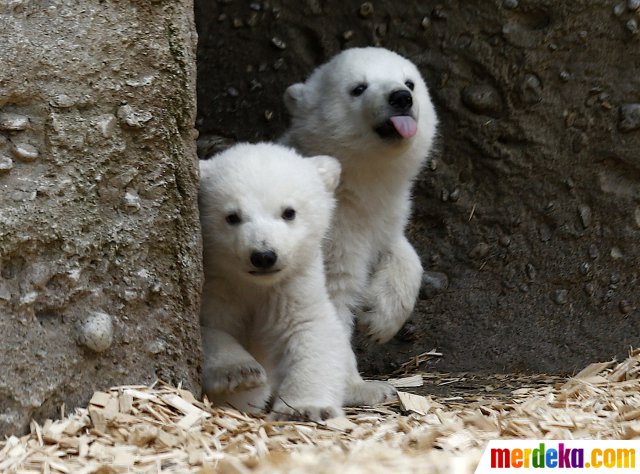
[
  {"x": 264, "y": 211},
  {"x": 362, "y": 100}
]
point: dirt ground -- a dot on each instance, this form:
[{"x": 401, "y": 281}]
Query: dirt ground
[{"x": 527, "y": 217}]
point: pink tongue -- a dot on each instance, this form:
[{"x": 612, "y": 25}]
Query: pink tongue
[{"x": 406, "y": 126}]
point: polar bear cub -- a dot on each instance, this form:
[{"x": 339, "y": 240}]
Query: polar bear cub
[
  {"x": 369, "y": 108},
  {"x": 269, "y": 330}
]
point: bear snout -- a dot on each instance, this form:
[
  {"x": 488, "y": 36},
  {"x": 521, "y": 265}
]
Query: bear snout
[
  {"x": 263, "y": 260},
  {"x": 401, "y": 100}
]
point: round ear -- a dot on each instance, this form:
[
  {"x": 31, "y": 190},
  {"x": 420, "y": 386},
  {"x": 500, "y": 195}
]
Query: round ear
[
  {"x": 329, "y": 169},
  {"x": 295, "y": 98}
]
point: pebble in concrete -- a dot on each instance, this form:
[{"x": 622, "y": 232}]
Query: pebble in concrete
[
  {"x": 529, "y": 89},
  {"x": 13, "y": 122},
  {"x": 629, "y": 117},
  {"x": 561, "y": 297},
  {"x": 482, "y": 99},
  {"x": 131, "y": 202},
  {"x": 625, "y": 307},
  {"x": 6, "y": 164},
  {"x": 96, "y": 331},
  {"x": 25, "y": 152},
  {"x": 133, "y": 118},
  {"x": 278, "y": 43},
  {"x": 585, "y": 215},
  {"x": 433, "y": 283},
  {"x": 480, "y": 251},
  {"x": 366, "y": 10},
  {"x": 531, "y": 271}
]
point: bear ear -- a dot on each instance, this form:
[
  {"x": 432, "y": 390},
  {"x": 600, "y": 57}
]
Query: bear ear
[
  {"x": 329, "y": 169},
  {"x": 295, "y": 98}
]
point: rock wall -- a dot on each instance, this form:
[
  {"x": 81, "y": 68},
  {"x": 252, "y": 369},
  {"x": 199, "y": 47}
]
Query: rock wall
[
  {"x": 527, "y": 218},
  {"x": 99, "y": 237}
]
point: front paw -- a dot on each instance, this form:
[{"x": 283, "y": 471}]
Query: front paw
[
  {"x": 369, "y": 392},
  {"x": 379, "y": 327},
  {"x": 245, "y": 376},
  {"x": 302, "y": 412}
]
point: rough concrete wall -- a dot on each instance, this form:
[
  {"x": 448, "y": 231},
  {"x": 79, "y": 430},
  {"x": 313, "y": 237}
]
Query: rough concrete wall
[
  {"x": 99, "y": 238},
  {"x": 530, "y": 210}
]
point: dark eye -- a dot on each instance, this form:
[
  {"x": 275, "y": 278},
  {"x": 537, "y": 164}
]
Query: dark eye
[
  {"x": 289, "y": 214},
  {"x": 410, "y": 85},
  {"x": 233, "y": 219},
  {"x": 358, "y": 90}
]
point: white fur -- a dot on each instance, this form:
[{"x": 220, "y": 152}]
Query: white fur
[
  {"x": 273, "y": 335},
  {"x": 372, "y": 270}
]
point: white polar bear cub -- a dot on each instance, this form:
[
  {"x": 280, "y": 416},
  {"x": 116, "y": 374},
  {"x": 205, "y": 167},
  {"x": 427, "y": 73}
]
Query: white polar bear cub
[
  {"x": 370, "y": 108},
  {"x": 269, "y": 330}
]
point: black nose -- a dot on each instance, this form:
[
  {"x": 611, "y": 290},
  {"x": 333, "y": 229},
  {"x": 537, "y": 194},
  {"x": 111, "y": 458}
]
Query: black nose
[
  {"x": 263, "y": 260},
  {"x": 401, "y": 100}
]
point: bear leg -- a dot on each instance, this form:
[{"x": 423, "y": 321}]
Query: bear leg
[{"x": 392, "y": 292}]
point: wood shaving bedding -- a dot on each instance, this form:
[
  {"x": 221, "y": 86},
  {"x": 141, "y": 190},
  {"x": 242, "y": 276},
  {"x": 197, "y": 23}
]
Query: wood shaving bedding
[{"x": 163, "y": 429}]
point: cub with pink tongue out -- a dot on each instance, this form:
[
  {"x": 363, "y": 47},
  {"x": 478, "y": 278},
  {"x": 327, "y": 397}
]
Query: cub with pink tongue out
[{"x": 369, "y": 108}]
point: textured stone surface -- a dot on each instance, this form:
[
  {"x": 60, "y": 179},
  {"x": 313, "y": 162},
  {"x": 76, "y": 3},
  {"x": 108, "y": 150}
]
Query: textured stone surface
[
  {"x": 532, "y": 202},
  {"x": 99, "y": 247}
]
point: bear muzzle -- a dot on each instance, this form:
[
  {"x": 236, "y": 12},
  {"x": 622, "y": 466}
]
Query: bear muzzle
[
  {"x": 397, "y": 127},
  {"x": 401, "y": 123},
  {"x": 401, "y": 101},
  {"x": 263, "y": 262}
]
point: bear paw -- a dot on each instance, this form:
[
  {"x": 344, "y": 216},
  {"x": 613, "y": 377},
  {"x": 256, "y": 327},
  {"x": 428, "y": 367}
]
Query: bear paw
[
  {"x": 369, "y": 392},
  {"x": 295, "y": 412},
  {"x": 233, "y": 378},
  {"x": 379, "y": 328}
]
